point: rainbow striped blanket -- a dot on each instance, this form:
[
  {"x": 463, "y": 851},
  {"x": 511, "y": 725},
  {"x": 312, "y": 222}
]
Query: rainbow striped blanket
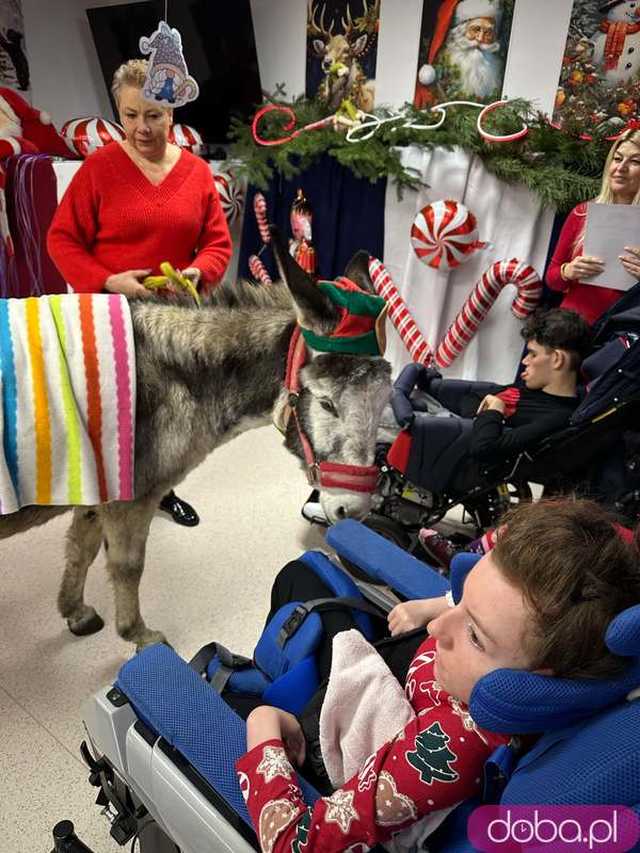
[{"x": 67, "y": 388}]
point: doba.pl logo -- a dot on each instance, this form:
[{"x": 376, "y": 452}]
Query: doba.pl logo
[{"x": 511, "y": 829}]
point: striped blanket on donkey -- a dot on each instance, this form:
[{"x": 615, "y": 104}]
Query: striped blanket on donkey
[{"x": 67, "y": 386}]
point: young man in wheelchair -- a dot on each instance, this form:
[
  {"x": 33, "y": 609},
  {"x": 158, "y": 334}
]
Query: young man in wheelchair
[{"x": 540, "y": 601}]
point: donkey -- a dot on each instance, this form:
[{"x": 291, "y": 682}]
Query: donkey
[{"x": 204, "y": 376}]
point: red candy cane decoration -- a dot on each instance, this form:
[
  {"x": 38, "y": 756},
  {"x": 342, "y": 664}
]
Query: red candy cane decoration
[
  {"x": 480, "y": 300},
  {"x": 410, "y": 334},
  {"x": 258, "y": 270},
  {"x": 260, "y": 210}
]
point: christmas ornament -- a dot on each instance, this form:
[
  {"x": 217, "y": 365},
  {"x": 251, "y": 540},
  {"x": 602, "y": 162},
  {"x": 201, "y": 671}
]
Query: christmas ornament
[
  {"x": 86, "y": 135},
  {"x": 411, "y": 336},
  {"x": 186, "y": 137},
  {"x": 230, "y": 193},
  {"x": 481, "y": 299},
  {"x": 444, "y": 234},
  {"x": 260, "y": 210},
  {"x": 168, "y": 81},
  {"x": 279, "y": 108},
  {"x": 258, "y": 270},
  {"x": 300, "y": 247}
]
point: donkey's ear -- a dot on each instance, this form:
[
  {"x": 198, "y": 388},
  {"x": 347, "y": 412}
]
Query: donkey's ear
[
  {"x": 314, "y": 309},
  {"x": 358, "y": 271}
]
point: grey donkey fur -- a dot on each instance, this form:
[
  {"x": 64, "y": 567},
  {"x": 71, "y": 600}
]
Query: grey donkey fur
[{"x": 202, "y": 377}]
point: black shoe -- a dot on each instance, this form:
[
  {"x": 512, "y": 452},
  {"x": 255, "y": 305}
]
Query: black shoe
[{"x": 180, "y": 511}]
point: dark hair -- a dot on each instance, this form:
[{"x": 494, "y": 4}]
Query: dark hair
[
  {"x": 576, "y": 573},
  {"x": 558, "y": 328}
]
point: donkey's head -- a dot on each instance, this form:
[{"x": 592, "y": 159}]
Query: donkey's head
[{"x": 342, "y": 388}]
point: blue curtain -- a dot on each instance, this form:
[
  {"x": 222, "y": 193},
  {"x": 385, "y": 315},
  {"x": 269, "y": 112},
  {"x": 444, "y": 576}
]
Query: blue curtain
[{"x": 348, "y": 215}]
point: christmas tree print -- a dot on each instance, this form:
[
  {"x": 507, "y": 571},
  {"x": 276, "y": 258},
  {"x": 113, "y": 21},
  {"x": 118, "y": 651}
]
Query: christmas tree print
[
  {"x": 432, "y": 756},
  {"x": 302, "y": 833}
]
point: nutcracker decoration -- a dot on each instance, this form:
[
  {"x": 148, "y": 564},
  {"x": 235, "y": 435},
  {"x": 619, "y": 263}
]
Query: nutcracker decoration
[{"x": 300, "y": 245}]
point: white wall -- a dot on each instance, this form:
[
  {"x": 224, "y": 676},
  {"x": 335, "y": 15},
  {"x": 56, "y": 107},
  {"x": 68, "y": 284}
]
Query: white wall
[{"x": 67, "y": 81}]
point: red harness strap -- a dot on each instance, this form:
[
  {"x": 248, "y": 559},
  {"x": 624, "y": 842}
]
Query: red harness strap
[{"x": 325, "y": 475}]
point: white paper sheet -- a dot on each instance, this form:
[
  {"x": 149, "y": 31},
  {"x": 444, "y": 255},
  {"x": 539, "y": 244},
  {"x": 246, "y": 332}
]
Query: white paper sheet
[{"x": 611, "y": 227}]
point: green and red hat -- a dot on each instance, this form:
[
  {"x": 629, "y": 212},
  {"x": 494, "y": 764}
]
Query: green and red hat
[{"x": 361, "y": 327}]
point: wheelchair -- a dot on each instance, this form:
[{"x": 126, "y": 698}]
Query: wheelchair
[{"x": 162, "y": 742}]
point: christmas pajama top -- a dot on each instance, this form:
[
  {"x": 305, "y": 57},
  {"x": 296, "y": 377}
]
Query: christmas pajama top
[
  {"x": 434, "y": 763},
  {"x": 112, "y": 219}
]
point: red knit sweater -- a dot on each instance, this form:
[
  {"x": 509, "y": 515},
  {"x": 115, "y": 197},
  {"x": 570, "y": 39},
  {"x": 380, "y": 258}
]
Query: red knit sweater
[
  {"x": 589, "y": 300},
  {"x": 112, "y": 219}
]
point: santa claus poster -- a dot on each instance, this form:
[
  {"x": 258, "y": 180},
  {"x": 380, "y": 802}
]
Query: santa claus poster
[
  {"x": 600, "y": 77},
  {"x": 14, "y": 68},
  {"x": 342, "y": 47},
  {"x": 463, "y": 49}
]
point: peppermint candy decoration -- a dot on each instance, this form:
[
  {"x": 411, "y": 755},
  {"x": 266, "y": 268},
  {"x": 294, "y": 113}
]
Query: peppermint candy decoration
[
  {"x": 258, "y": 270},
  {"x": 230, "y": 193},
  {"x": 260, "y": 210},
  {"x": 480, "y": 300},
  {"x": 444, "y": 234},
  {"x": 186, "y": 137},
  {"x": 86, "y": 135},
  {"x": 411, "y": 336}
]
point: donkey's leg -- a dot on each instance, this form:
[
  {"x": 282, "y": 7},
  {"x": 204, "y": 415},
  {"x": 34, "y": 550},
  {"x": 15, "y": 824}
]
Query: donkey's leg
[
  {"x": 83, "y": 543},
  {"x": 126, "y": 528}
]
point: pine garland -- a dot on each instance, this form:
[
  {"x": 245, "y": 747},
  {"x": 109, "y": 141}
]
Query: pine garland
[{"x": 557, "y": 165}]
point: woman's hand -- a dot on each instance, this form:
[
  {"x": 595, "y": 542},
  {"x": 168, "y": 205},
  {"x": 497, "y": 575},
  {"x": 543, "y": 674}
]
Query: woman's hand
[
  {"x": 491, "y": 403},
  {"x": 631, "y": 261},
  {"x": 267, "y": 723},
  {"x": 581, "y": 267},
  {"x": 193, "y": 274},
  {"x": 415, "y": 614},
  {"x": 128, "y": 283}
]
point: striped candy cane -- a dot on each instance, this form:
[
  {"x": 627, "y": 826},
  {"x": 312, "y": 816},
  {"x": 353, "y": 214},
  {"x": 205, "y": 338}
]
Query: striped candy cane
[
  {"x": 480, "y": 300},
  {"x": 410, "y": 334},
  {"x": 260, "y": 210},
  {"x": 258, "y": 270}
]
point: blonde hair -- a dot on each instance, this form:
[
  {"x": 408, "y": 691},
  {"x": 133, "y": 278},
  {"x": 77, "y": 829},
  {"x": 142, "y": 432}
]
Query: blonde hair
[{"x": 131, "y": 73}]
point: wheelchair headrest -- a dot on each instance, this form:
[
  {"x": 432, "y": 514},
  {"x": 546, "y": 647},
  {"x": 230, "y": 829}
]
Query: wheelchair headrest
[
  {"x": 519, "y": 702},
  {"x": 602, "y": 359}
]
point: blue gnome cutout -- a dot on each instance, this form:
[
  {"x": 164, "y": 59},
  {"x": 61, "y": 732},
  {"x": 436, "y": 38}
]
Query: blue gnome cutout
[{"x": 168, "y": 81}]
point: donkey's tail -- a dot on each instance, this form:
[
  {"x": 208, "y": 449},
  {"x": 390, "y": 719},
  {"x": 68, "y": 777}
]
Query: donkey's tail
[{"x": 28, "y": 517}]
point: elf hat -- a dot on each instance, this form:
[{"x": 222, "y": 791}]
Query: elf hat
[
  {"x": 361, "y": 327},
  {"x": 456, "y": 12},
  {"x": 35, "y": 125}
]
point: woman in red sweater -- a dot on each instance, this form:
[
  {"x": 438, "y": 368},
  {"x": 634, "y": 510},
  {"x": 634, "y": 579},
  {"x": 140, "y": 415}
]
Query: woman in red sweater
[
  {"x": 569, "y": 267},
  {"x": 135, "y": 204}
]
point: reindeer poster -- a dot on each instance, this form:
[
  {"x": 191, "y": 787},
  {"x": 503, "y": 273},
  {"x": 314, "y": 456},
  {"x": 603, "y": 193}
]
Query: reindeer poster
[
  {"x": 600, "y": 76},
  {"x": 463, "y": 50},
  {"x": 14, "y": 68},
  {"x": 342, "y": 46}
]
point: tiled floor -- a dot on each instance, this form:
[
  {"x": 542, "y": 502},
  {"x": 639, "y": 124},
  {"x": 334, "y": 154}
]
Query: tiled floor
[{"x": 209, "y": 582}]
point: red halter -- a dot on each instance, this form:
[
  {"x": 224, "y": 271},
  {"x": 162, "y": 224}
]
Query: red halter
[{"x": 325, "y": 475}]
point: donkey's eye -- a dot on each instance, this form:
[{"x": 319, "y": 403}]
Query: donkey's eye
[{"x": 328, "y": 406}]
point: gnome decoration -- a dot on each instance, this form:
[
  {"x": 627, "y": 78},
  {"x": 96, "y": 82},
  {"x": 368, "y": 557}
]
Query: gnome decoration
[
  {"x": 617, "y": 43},
  {"x": 26, "y": 130},
  {"x": 168, "y": 81},
  {"x": 300, "y": 246}
]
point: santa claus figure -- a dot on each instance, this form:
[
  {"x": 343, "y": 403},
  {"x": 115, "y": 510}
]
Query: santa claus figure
[
  {"x": 617, "y": 43},
  {"x": 26, "y": 130},
  {"x": 466, "y": 34}
]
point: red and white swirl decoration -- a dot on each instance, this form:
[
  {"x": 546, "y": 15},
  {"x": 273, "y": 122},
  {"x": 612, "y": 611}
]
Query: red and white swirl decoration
[
  {"x": 260, "y": 210},
  {"x": 86, "y": 135},
  {"x": 444, "y": 234},
  {"x": 258, "y": 270},
  {"x": 230, "y": 193},
  {"x": 186, "y": 137},
  {"x": 400, "y": 316},
  {"x": 480, "y": 300}
]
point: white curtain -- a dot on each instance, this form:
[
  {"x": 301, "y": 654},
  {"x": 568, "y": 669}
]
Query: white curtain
[{"x": 510, "y": 218}]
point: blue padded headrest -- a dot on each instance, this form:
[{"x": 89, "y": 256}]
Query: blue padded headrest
[{"x": 518, "y": 702}]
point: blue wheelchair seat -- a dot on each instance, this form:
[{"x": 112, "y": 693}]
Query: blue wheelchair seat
[{"x": 589, "y": 752}]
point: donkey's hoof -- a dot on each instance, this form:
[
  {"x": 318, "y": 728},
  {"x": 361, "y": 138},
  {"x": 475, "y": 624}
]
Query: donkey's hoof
[
  {"x": 90, "y": 623},
  {"x": 151, "y": 638}
]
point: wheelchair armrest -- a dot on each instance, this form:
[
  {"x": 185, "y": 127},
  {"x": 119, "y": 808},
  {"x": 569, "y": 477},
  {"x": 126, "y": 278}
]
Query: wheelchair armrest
[
  {"x": 384, "y": 561},
  {"x": 186, "y": 711}
]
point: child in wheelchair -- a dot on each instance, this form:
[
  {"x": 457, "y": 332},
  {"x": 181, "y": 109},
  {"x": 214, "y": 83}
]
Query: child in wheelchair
[{"x": 541, "y": 600}]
